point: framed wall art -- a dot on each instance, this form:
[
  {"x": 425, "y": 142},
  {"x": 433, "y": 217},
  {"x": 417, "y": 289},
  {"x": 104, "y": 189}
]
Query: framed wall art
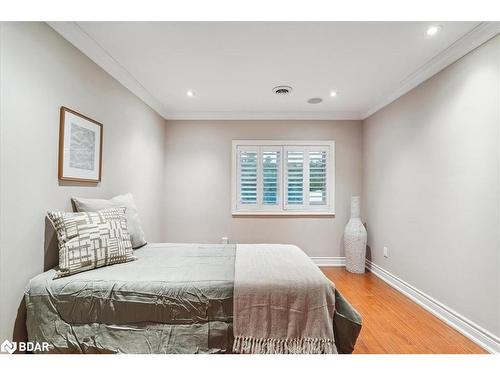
[{"x": 80, "y": 147}]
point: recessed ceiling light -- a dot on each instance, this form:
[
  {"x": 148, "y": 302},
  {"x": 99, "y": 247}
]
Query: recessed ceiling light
[
  {"x": 190, "y": 93},
  {"x": 315, "y": 100},
  {"x": 333, "y": 94},
  {"x": 433, "y": 30}
]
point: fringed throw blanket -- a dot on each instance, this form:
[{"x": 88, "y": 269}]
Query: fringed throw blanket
[{"x": 283, "y": 304}]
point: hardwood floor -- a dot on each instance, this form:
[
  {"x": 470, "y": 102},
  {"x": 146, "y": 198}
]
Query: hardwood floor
[{"x": 392, "y": 323}]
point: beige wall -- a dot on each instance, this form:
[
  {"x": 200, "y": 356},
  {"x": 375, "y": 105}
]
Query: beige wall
[
  {"x": 498, "y": 150},
  {"x": 198, "y": 183},
  {"x": 431, "y": 186},
  {"x": 39, "y": 72},
  {"x": 431, "y": 172}
]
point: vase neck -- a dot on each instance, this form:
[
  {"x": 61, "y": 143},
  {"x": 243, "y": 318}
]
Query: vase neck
[{"x": 355, "y": 208}]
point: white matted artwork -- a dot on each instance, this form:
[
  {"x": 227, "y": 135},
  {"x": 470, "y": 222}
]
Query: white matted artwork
[{"x": 80, "y": 147}]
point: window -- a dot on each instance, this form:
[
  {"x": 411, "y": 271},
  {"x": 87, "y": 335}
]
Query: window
[{"x": 283, "y": 178}]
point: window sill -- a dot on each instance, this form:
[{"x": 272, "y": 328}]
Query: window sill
[{"x": 284, "y": 214}]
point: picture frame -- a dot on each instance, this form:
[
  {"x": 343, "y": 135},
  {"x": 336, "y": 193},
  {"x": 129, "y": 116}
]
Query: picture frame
[{"x": 80, "y": 147}]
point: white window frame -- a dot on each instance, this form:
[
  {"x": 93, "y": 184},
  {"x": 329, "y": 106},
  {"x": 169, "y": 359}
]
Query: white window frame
[{"x": 282, "y": 208}]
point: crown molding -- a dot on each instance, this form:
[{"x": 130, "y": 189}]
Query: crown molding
[
  {"x": 74, "y": 34},
  {"x": 339, "y": 115},
  {"x": 77, "y": 36},
  {"x": 470, "y": 41}
]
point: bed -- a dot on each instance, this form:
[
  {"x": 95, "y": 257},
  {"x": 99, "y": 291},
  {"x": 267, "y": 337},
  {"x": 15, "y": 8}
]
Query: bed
[{"x": 192, "y": 298}]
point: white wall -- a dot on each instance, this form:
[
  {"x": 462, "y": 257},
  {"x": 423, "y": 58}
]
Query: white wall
[
  {"x": 39, "y": 72},
  {"x": 431, "y": 186},
  {"x": 198, "y": 183}
]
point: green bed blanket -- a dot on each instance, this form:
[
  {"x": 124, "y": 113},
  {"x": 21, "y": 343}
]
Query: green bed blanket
[{"x": 175, "y": 298}]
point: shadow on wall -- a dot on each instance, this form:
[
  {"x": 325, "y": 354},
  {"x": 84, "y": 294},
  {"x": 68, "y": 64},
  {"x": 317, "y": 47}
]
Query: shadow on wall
[
  {"x": 50, "y": 260},
  {"x": 368, "y": 253},
  {"x": 50, "y": 248},
  {"x": 20, "y": 333},
  {"x": 368, "y": 249},
  {"x": 77, "y": 183}
]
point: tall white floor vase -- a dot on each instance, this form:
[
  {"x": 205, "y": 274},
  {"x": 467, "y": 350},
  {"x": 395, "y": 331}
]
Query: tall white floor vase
[{"x": 355, "y": 240}]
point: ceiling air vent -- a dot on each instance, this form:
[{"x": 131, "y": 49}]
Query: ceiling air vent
[{"x": 282, "y": 90}]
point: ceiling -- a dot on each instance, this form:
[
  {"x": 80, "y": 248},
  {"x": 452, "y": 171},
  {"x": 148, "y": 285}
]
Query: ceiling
[{"x": 233, "y": 66}]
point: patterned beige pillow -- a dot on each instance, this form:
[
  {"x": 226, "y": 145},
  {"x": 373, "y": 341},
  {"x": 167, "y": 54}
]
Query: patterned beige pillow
[{"x": 89, "y": 240}]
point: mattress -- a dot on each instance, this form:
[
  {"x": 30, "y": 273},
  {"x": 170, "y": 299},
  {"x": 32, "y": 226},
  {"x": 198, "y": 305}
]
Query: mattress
[{"x": 175, "y": 298}]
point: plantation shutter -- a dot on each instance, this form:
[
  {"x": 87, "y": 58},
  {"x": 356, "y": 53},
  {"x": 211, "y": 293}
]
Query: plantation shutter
[
  {"x": 248, "y": 177},
  {"x": 294, "y": 177},
  {"x": 271, "y": 176},
  {"x": 318, "y": 177},
  {"x": 275, "y": 178}
]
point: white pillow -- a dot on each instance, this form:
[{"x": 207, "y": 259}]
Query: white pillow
[{"x": 125, "y": 200}]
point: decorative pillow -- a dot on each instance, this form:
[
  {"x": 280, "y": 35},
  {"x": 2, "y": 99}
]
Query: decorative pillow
[
  {"x": 125, "y": 200},
  {"x": 89, "y": 240}
]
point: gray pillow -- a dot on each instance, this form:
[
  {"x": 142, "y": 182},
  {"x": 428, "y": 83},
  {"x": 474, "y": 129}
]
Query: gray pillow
[
  {"x": 125, "y": 200},
  {"x": 90, "y": 240}
]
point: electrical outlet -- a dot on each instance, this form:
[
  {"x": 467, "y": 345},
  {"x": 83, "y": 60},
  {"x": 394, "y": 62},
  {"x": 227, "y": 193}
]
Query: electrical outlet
[{"x": 386, "y": 252}]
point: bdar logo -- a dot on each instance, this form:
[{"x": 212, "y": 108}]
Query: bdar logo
[{"x": 8, "y": 347}]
